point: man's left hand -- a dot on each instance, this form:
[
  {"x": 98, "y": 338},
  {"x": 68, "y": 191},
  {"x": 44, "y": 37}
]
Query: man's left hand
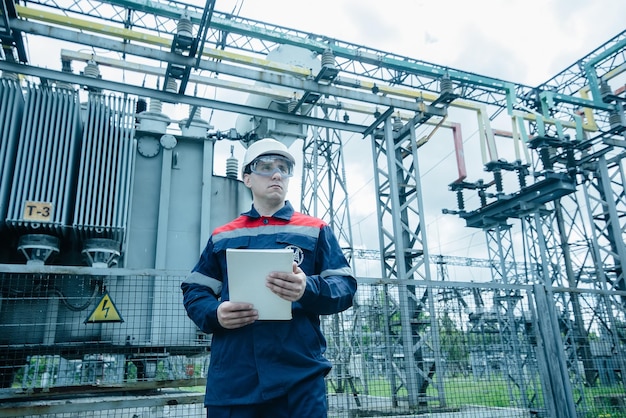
[{"x": 289, "y": 286}]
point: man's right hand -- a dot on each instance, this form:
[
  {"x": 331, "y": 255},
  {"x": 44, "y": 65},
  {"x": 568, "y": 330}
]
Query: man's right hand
[{"x": 233, "y": 315}]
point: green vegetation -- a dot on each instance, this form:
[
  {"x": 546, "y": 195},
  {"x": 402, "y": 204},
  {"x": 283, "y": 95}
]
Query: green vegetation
[
  {"x": 376, "y": 387},
  {"x": 605, "y": 402},
  {"x": 459, "y": 391},
  {"x": 469, "y": 391},
  {"x": 598, "y": 402}
]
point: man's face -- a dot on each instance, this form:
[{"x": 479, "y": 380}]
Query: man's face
[{"x": 269, "y": 179}]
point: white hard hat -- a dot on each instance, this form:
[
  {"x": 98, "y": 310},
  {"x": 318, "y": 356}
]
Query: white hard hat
[{"x": 265, "y": 146}]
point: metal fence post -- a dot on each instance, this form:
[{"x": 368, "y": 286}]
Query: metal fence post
[{"x": 562, "y": 400}]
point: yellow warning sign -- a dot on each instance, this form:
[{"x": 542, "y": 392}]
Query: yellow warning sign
[{"x": 105, "y": 311}]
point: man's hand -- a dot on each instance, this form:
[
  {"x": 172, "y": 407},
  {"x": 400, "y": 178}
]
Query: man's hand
[
  {"x": 233, "y": 315},
  {"x": 289, "y": 286}
]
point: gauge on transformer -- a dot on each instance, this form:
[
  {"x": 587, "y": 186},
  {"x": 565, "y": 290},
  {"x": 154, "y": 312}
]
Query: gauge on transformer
[
  {"x": 148, "y": 146},
  {"x": 168, "y": 141}
]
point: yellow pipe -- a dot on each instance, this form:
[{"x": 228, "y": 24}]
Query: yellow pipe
[
  {"x": 276, "y": 93},
  {"x": 132, "y": 35},
  {"x": 81, "y": 24},
  {"x": 589, "y": 117}
]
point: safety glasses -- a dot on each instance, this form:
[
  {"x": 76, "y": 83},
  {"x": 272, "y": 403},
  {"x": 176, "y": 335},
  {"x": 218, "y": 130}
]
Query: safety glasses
[{"x": 267, "y": 165}]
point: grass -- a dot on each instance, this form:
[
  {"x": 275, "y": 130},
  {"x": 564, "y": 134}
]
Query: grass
[
  {"x": 605, "y": 402},
  {"x": 492, "y": 392},
  {"x": 459, "y": 391},
  {"x": 599, "y": 402}
]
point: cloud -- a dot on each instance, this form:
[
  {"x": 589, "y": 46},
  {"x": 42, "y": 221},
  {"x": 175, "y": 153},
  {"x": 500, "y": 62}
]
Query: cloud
[{"x": 429, "y": 38}]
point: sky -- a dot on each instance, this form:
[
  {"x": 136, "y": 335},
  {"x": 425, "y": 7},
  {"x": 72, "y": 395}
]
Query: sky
[{"x": 525, "y": 42}]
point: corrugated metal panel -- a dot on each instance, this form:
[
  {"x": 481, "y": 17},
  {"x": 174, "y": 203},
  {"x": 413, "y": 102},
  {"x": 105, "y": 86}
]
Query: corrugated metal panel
[
  {"x": 11, "y": 109},
  {"x": 42, "y": 192},
  {"x": 106, "y": 164}
]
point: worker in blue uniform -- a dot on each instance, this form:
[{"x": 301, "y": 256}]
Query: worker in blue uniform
[{"x": 259, "y": 368}]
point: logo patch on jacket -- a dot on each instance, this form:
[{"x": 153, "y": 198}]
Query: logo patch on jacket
[{"x": 298, "y": 254}]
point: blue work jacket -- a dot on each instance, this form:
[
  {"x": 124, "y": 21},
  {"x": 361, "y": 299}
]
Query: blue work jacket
[{"x": 263, "y": 360}]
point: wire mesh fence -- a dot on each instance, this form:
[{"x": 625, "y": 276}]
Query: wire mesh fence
[{"x": 89, "y": 343}]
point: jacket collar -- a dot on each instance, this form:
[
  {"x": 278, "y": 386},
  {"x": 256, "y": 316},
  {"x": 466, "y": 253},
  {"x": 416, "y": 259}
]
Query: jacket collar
[{"x": 285, "y": 213}]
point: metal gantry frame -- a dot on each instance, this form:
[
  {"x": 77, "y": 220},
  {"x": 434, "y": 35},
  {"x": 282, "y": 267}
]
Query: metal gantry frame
[
  {"x": 605, "y": 200},
  {"x": 324, "y": 184},
  {"x": 405, "y": 255},
  {"x": 325, "y": 195},
  {"x": 510, "y": 315}
]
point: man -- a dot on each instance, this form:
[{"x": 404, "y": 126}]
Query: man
[{"x": 269, "y": 369}]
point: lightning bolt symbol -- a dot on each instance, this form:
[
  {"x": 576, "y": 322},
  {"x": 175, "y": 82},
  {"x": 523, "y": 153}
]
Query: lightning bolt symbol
[{"x": 105, "y": 308}]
